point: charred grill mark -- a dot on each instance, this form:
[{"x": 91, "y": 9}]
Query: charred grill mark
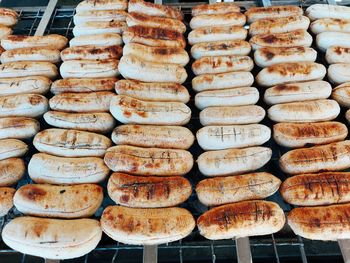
[
  {"x": 156, "y": 33},
  {"x": 150, "y": 192},
  {"x": 338, "y": 192},
  {"x": 256, "y": 212}
]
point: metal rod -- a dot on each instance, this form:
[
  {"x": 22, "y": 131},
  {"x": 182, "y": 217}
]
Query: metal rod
[
  {"x": 46, "y": 18},
  {"x": 213, "y": 256},
  {"x": 244, "y": 254},
  {"x": 150, "y": 254},
  {"x": 345, "y": 249},
  {"x": 266, "y": 3},
  {"x": 331, "y": 2},
  {"x": 302, "y": 250},
  {"x": 275, "y": 249}
]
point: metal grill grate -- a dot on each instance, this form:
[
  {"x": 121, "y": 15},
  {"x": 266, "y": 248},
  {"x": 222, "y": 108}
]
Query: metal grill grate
[
  {"x": 29, "y": 19},
  {"x": 281, "y": 247}
]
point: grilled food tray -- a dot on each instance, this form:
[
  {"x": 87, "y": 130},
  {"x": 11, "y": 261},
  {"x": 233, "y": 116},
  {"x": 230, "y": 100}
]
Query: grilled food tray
[{"x": 281, "y": 247}]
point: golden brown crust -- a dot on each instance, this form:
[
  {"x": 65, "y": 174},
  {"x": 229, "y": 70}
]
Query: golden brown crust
[
  {"x": 8, "y": 12},
  {"x": 216, "y": 8},
  {"x": 162, "y": 10},
  {"x": 289, "y": 39},
  {"x": 150, "y": 161},
  {"x": 134, "y": 18},
  {"x": 11, "y": 171},
  {"x": 165, "y": 91},
  {"x": 334, "y": 156},
  {"x": 71, "y": 143},
  {"x": 268, "y": 53},
  {"x": 247, "y": 218},
  {"x": 317, "y": 189},
  {"x": 278, "y": 25},
  {"x": 49, "y": 41},
  {"x": 92, "y": 52},
  {"x": 310, "y": 133},
  {"x": 286, "y": 69},
  {"x": 32, "y": 54},
  {"x": 321, "y": 223},
  {"x": 82, "y": 102},
  {"x": 223, "y": 190},
  {"x": 72, "y": 201},
  {"x": 222, "y": 45},
  {"x": 222, "y": 64},
  {"x": 256, "y": 13},
  {"x": 146, "y": 226},
  {"x": 6, "y": 199},
  {"x": 82, "y": 85},
  {"x": 148, "y": 192},
  {"x": 157, "y": 33},
  {"x": 173, "y": 137}
]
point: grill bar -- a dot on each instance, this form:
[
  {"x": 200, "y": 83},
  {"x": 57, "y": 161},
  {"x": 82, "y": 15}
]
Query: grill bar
[{"x": 46, "y": 18}]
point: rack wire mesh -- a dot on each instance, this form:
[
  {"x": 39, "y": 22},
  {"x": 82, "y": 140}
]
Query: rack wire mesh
[{"x": 281, "y": 247}]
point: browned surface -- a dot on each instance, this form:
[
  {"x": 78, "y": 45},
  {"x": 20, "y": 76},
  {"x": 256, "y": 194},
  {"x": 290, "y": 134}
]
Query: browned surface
[
  {"x": 269, "y": 25},
  {"x": 217, "y": 62},
  {"x": 72, "y": 139},
  {"x": 270, "y": 52},
  {"x": 223, "y": 45},
  {"x": 174, "y": 137},
  {"x": 168, "y": 11},
  {"x": 29, "y": 51},
  {"x": 331, "y": 24},
  {"x": 223, "y": 190},
  {"x": 82, "y": 102},
  {"x": 341, "y": 50},
  {"x": 82, "y": 85},
  {"x": 288, "y": 69},
  {"x": 216, "y": 8},
  {"x": 59, "y": 201},
  {"x": 124, "y": 85},
  {"x": 157, "y": 33},
  {"x": 52, "y": 40},
  {"x": 217, "y": 30},
  {"x": 6, "y": 196},
  {"x": 310, "y": 130},
  {"x": 137, "y": 191},
  {"x": 318, "y": 158},
  {"x": 8, "y": 12},
  {"x": 247, "y": 218},
  {"x": 323, "y": 223},
  {"x": 317, "y": 189},
  {"x": 17, "y": 122},
  {"x": 6, "y": 193},
  {"x": 79, "y": 52},
  {"x": 146, "y": 226},
  {"x": 273, "y": 11},
  {"x": 289, "y": 38},
  {"x": 234, "y": 214},
  {"x": 150, "y": 161},
  {"x": 162, "y": 22},
  {"x": 11, "y": 170}
]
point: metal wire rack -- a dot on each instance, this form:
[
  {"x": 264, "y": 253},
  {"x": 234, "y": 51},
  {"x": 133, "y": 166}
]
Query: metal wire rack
[
  {"x": 281, "y": 247},
  {"x": 29, "y": 19}
]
